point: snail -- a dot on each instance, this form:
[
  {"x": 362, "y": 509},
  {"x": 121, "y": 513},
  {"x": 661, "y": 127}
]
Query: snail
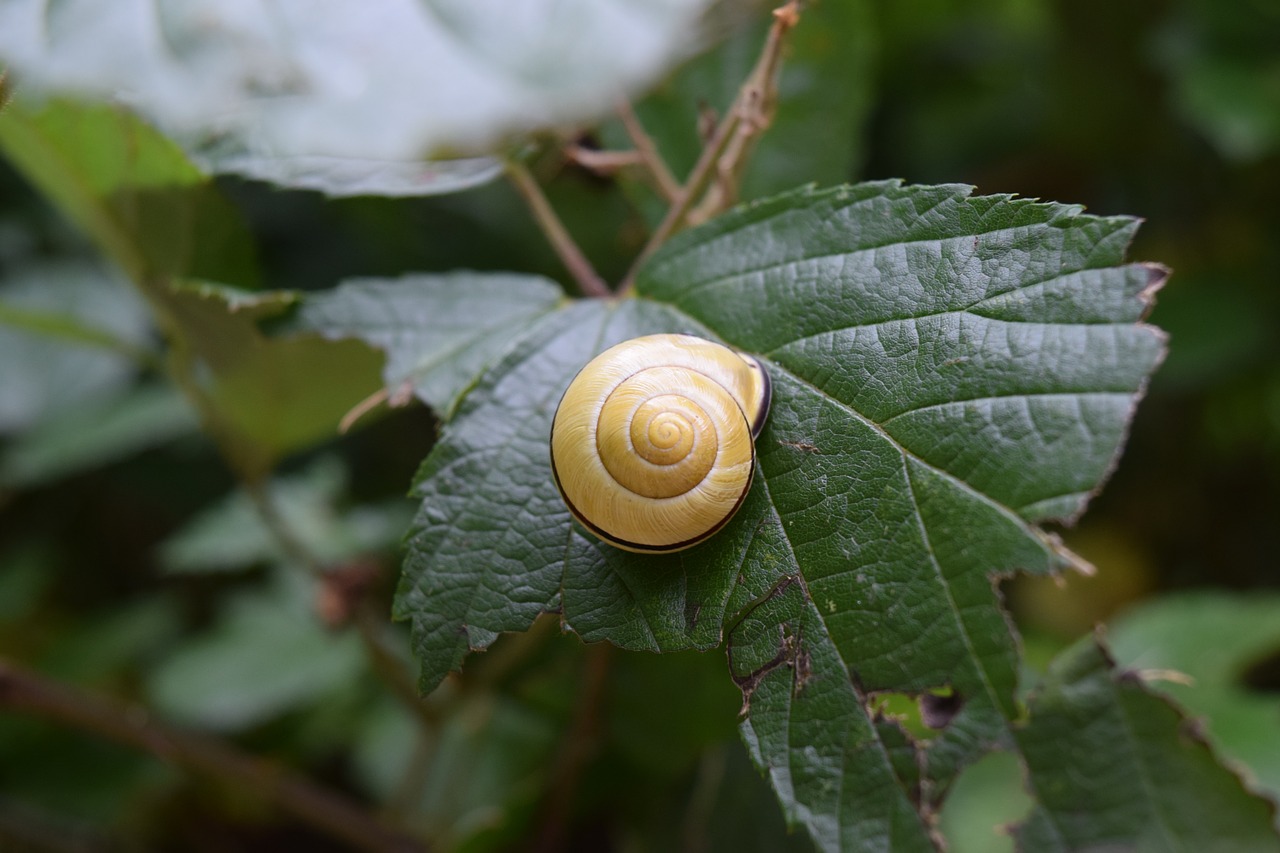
[{"x": 653, "y": 443}]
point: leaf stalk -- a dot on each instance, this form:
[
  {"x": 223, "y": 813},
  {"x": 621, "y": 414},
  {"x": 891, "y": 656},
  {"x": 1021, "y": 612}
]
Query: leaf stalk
[{"x": 587, "y": 279}]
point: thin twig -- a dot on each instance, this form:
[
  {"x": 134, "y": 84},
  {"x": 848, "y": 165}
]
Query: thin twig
[
  {"x": 750, "y": 107},
  {"x": 294, "y": 548},
  {"x": 649, "y": 155},
  {"x": 24, "y": 690},
  {"x": 570, "y": 255},
  {"x": 603, "y": 162},
  {"x": 359, "y": 410},
  {"x": 391, "y": 669},
  {"x": 397, "y": 399},
  {"x": 758, "y": 104}
]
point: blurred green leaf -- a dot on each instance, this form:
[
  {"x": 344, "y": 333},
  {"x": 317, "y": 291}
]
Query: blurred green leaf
[
  {"x": 1213, "y": 639},
  {"x": 161, "y": 219},
  {"x": 473, "y": 784},
  {"x": 263, "y": 397},
  {"x": 130, "y": 189},
  {"x": 986, "y": 799},
  {"x": 231, "y": 535},
  {"x": 338, "y": 175},
  {"x": 70, "y": 334},
  {"x": 334, "y": 100},
  {"x": 439, "y": 331},
  {"x": 1113, "y": 766},
  {"x": 96, "y": 434},
  {"x": 1223, "y": 62},
  {"x": 947, "y": 371},
  {"x": 112, "y": 644},
  {"x": 266, "y": 654}
]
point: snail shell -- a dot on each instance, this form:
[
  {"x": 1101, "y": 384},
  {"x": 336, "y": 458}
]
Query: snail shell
[{"x": 653, "y": 444}]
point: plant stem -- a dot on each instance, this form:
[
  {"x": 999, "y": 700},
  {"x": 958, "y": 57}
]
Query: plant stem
[
  {"x": 748, "y": 116},
  {"x": 294, "y": 548},
  {"x": 386, "y": 664},
  {"x": 24, "y": 690},
  {"x": 589, "y": 282},
  {"x": 649, "y": 155},
  {"x": 580, "y": 744},
  {"x": 391, "y": 669},
  {"x": 603, "y": 162}
]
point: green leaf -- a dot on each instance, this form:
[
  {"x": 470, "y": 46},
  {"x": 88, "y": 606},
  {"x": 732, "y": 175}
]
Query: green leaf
[
  {"x": 130, "y": 189},
  {"x": 223, "y": 679},
  {"x": 71, "y": 334},
  {"x": 350, "y": 99},
  {"x": 1216, "y": 640},
  {"x": 96, "y": 434},
  {"x": 231, "y": 535},
  {"x": 488, "y": 767},
  {"x": 986, "y": 799},
  {"x": 1225, "y": 75},
  {"x": 339, "y": 175},
  {"x": 947, "y": 371},
  {"x": 262, "y": 397},
  {"x": 163, "y": 221},
  {"x": 439, "y": 332},
  {"x": 1114, "y": 766}
]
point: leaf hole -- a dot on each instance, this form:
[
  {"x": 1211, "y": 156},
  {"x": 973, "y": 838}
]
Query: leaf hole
[
  {"x": 939, "y": 707},
  {"x": 922, "y": 715}
]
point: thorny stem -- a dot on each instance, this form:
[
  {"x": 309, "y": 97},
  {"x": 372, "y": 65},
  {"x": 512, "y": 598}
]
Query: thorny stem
[
  {"x": 648, "y": 152},
  {"x": 24, "y": 690},
  {"x": 570, "y": 255},
  {"x": 723, "y": 154}
]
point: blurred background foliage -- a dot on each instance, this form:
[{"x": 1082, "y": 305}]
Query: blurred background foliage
[{"x": 132, "y": 564}]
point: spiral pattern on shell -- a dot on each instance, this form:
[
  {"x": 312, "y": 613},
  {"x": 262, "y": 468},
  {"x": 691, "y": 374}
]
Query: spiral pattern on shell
[{"x": 652, "y": 445}]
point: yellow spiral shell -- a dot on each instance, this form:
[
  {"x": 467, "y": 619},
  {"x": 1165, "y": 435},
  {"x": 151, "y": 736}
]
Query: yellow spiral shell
[{"x": 652, "y": 446}]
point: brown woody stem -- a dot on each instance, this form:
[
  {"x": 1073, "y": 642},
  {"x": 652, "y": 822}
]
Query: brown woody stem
[
  {"x": 30, "y": 692},
  {"x": 570, "y": 255},
  {"x": 648, "y": 152},
  {"x": 748, "y": 116}
]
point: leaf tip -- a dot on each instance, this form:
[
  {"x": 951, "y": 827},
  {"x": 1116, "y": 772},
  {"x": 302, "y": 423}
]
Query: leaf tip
[{"x": 1157, "y": 277}]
